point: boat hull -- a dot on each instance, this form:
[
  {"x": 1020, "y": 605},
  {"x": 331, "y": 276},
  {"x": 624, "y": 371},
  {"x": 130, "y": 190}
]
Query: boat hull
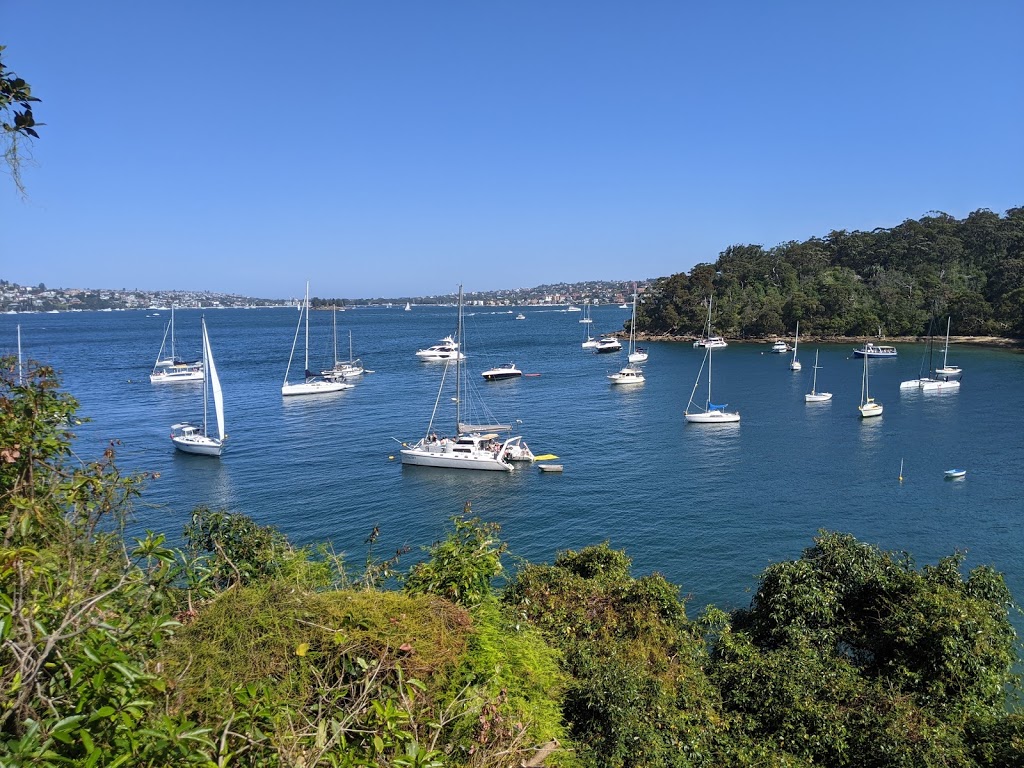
[
  {"x": 175, "y": 377},
  {"x": 870, "y": 351},
  {"x": 818, "y": 397},
  {"x": 314, "y": 388},
  {"x": 712, "y": 417},
  {"x": 870, "y": 410},
  {"x": 199, "y": 445},
  {"x": 446, "y": 459},
  {"x": 497, "y": 374}
]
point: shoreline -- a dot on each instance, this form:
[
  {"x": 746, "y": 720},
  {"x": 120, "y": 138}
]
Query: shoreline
[{"x": 979, "y": 341}]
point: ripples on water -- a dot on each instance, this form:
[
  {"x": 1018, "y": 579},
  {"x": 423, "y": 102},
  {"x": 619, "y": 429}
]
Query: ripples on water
[{"x": 708, "y": 507}]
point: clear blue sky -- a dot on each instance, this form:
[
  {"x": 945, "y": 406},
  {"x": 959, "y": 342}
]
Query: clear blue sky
[{"x": 398, "y": 148}]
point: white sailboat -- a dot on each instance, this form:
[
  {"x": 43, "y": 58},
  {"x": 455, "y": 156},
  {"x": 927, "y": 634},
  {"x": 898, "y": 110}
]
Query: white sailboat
[
  {"x": 814, "y": 396},
  {"x": 196, "y": 438},
  {"x": 343, "y": 369},
  {"x": 868, "y": 407},
  {"x": 709, "y": 413},
  {"x": 589, "y": 342},
  {"x": 795, "y": 364},
  {"x": 636, "y": 354},
  {"x": 947, "y": 371},
  {"x": 408, "y": 307},
  {"x": 586, "y": 313},
  {"x": 169, "y": 370},
  {"x": 473, "y": 446},
  {"x": 310, "y": 384}
]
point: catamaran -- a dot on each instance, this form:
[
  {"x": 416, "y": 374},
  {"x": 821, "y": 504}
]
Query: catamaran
[{"x": 472, "y": 446}]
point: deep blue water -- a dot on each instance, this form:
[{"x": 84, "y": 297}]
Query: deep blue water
[{"x": 707, "y": 507}]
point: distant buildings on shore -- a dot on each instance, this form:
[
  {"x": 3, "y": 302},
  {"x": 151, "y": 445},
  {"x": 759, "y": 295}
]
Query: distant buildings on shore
[{"x": 39, "y": 298}]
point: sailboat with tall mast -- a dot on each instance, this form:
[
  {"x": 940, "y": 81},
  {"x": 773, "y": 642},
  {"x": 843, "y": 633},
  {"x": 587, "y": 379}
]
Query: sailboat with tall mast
[
  {"x": 310, "y": 384},
  {"x": 794, "y": 365},
  {"x": 709, "y": 413},
  {"x": 814, "y": 396},
  {"x": 868, "y": 407},
  {"x": 343, "y": 369},
  {"x": 947, "y": 371},
  {"x": 472, "y": 446},
  {"x": 589, "y": 342},
  {"x": 636, "y": 354},
  {"x": 196, "y": 438},
  {"x": 169, "y": 370}
]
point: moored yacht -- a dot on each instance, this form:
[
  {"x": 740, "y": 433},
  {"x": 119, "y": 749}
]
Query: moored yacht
[
  {"x": 446, "y": 349},
  {"x": 875, "y": 350},
  {"x": 507, "y": 371},
  {"x": 631, "y": 374},
  {"x": 607, "y": 344}
]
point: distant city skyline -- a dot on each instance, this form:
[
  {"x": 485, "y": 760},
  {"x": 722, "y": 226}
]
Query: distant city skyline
[{"x": 398, "y": 149}]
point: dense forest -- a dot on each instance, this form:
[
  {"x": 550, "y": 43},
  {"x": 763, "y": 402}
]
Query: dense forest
[
  {"x": 236, "y": 648},
  {"x": 884, "y": 282}
]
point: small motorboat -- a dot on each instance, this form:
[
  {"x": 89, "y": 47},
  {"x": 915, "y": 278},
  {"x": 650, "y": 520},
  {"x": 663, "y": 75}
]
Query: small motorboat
[
  {"x": 780, "y": 347},
  {"x": 508, "y": 371},
  {"x": 953, "y": 474}
]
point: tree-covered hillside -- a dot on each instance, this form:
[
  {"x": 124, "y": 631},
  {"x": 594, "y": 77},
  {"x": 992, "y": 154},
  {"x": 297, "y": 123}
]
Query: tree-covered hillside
[{"x": 857, "y": 283}]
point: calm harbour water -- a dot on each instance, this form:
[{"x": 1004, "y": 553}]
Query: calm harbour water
[{"x": 708, "y": 507}]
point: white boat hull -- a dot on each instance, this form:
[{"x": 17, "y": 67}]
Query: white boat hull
[
  {"x": 314, "y": 388},
  {"x": 870, "y": 410},
  {"x": 817, "y": 397},
  {"x": 198, "y": 444},
  {"x": 627, "y": 376},
  {"x": 930, "y": 385},
  {"x": 175, "y": 377},
  {"x": 445, "y": 457},
  {"x": 638, "y": 357},
  {"x": 712, "y": 417}
]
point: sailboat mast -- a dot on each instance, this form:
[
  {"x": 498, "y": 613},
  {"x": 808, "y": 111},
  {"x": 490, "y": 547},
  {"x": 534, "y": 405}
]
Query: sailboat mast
[
  {"x": 306, "y": 369},
  {"x": 458, "y": 368},
  {"x": 206, "y": 379},
  {"x": 21, "y": 370},
  {"x": 945, "y": 352},
  {"x": 173, "y": 356},
  {"x": 632, "y": 324}
]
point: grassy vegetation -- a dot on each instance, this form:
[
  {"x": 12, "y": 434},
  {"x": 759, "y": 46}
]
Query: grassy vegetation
[{"x": 243, "y": 650}]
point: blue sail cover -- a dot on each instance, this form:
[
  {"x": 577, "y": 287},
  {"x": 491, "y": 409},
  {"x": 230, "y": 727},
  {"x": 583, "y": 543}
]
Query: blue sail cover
[{"x": 713, "y": 407}]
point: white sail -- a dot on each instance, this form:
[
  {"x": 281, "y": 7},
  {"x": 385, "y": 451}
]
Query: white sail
[{"x": 218, "y": 397}]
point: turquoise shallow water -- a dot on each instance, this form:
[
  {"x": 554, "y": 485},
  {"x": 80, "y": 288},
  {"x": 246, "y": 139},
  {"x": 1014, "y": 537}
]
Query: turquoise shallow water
[{"x": 708, "y": 507}]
